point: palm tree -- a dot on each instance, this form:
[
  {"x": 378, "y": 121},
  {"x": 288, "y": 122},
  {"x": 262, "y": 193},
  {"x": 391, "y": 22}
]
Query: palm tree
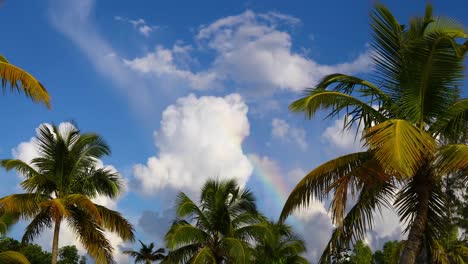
[
  {"x": 450, "y": 249},
  {"x": 21, "y": 80},
  {"x": 146, "y": 254},
  {"x": 59, "y": 186},
  {"x": 280, "y": 246},
  {"x": 216, "y": 231},
  {"x": 10, "y": 257},
  {"x": 407, "y": 118}
]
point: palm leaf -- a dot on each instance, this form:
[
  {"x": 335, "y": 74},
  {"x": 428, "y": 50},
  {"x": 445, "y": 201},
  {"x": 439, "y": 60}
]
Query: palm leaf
[
  {"x": 399, "y": 146},
  {"x": 114, "y": 222},
  {"x": 204, "y": 256},
  {"x": 453, "y": 122},
  {"x": 13, "y": 257},
  {"x": 183, "y": 233},
  {"x": 20, "y": 80},
  {"x": 452, "y": 158},
  {"x": 317, "y": 183}
]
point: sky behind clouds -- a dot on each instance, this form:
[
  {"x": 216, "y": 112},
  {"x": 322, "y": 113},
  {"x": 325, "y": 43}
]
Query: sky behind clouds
[{"x": 185, "y": 91}]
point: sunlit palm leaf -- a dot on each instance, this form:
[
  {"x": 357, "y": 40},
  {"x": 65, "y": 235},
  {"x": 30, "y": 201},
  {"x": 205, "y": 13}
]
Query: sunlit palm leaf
[
  {"x": 204, "y": 256},
  {"x": 113, "y": 221},
  {"x": 183, "y": 233},
  {"x": 399, "y": 146},
  {"x": 21, "y": 80},
  {"x": 452, "y": 158}
]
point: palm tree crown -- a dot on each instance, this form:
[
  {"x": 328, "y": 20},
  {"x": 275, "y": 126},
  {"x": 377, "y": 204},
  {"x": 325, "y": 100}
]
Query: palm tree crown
[
  {"x": 216, "y": 231},
  {"x": 60, "y": 184},
  {"x": 146, "y": 254},
  {"x": 408, "y": 115},
  {"x": 280, "y": 245}
]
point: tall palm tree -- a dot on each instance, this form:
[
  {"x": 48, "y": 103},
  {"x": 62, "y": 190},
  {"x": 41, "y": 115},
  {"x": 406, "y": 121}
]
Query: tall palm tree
[
  {"x": 413, "y": 108},
  {"x": 10, "y": 257},
  {"x": 146, "y": 254},
  {"x": 59, "y": 186},
  {"x": 216, "y": 231},
  {"x": 21, "y": 80},
  {"x": 279, "y": 246}
]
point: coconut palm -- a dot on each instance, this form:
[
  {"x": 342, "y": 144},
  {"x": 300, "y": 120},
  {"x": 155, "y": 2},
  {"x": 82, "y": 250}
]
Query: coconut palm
[
  {"x": 146, "y": 254},
  {"x": 10, "y": 257},
  {"x": 279, "y": 246},
  {"x": 59, "y": 186},
  {"x": 216, "y": 231},
  {"x": 21, "y": 80},
  {"x": 413, "y": 108}
]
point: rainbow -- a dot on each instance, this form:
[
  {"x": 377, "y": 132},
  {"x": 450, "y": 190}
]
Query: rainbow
[{"x": 269, "y": 174}]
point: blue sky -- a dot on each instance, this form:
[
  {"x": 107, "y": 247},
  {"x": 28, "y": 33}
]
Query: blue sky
[{"x": 186, "y": 90}]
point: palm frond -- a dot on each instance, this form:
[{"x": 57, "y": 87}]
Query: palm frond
[
  {"x": 13, "y": 257},
  {"x": 399, "y": 146},
  {"x": 40, "y": 222},
  {"x": 452, "y": 158},
  {"x": 317, "y": 183},
  {"x": 204, "y": 256},
  {"x": 26, "y": 204},
  {"x": 20, "y": 80},
  {"x": 238, "y": 251},
  {"x": 319, "y": 99},
  {"x": 182, "y": 233},
  {"x": 113, "y": 221},
  {"x": 453, "y": 122}
]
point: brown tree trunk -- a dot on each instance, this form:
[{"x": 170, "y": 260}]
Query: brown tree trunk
[
  {"x": 414, "y": 243},
  {"x": 56, "y": 240}
]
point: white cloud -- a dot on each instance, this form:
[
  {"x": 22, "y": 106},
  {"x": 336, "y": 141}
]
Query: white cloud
[
  {"x": 162, "y": 64},
  {"x": 26, "y": 151},
  {"x": 199, "y": 138},
  {"x": 342, "y": 141},
  {"x": 253, "y": 52},
  {"x": 140, "y": 24},
  {"x": 284, "y": 131},
  {"x": 250, "y": 51}
]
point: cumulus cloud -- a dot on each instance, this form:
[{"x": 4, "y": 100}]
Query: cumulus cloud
[
  {"x": 28, "y": 150},
  {"x": 284, "y": 131},
  {"x": 199, "y": 138},
  {"x": 140, "y": 24}
]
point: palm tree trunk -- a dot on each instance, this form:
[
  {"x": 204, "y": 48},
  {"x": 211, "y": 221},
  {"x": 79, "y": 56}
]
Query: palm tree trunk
[
  {"x": 56, "y": 240},
  {"x": 423, "y": 184}
]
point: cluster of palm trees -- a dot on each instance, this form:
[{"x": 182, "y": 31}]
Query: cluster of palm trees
[
  {"x": 415, "y": 130},
  {"x": 225, "y": 227}
]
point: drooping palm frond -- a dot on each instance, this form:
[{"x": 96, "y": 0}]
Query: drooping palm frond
[
  {"x": 182, "y": 233},
  {"x": 359, "y": 219},
  {"x": 318, "y": 183},
  {"x": 204, "y": 256},
  {"x": 20, "y": 80},
  {"x": 13, "y": 257}
]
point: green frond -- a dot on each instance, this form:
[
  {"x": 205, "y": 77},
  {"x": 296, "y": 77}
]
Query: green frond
[
  {"x": 359, "y": 219},
  {"x": 182, "y": 233},
  {"x": 452, "y": 123},
  {"x": 7, "y": 220},
  {"x": 237, "y": 250},
  {"x": 399, "y": 146},
  {"x": 316, "y": 184},
  {"x": 13, "y": 257},
  {"x": 21, "y": 81},
  {"x": 98, "y": 181},
  {"x": 452, "y": 158},
  {"x": 319, "y": 99},
  {"x": 91, "y": 236},
  {"x": 113, "y": 221},
  {"x": 204, "y": 256},
  {"x": 42, "y": 221},
  {"x": 182, "y": 254},
  {"x": 84, "y": 203}
]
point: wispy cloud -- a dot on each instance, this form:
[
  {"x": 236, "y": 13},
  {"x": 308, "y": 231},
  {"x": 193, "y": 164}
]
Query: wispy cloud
[{"x": 140, "y": 24}]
